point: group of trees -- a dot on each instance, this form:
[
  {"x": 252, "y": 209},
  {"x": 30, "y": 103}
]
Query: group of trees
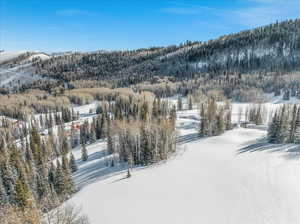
[
  {"x": 146, "y": 138},
  {"x": 255, "y": 114},
  {"x": 36, "y": 159},
  {"x": 29, "y": 181},
  {"x": 214, "y": 118},
  {"x": 285, "y": 125}
]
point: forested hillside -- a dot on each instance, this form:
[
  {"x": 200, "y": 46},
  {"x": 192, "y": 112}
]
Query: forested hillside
[{"x": 273, "y": 48}]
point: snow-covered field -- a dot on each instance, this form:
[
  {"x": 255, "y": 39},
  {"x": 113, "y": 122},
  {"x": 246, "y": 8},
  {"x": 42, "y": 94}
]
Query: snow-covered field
[{"x": 233, "y": 178}]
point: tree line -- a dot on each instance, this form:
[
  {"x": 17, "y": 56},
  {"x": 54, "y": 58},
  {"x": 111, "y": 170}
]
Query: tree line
[{"x": 285, "y": 125}]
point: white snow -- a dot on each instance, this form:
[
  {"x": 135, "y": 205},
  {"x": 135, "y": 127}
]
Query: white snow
[
  {"x": 14, "y": 77},
  {"x": 21, "y": 72},
  {"x": 234, "y": 178},
  {"x": 9, "y": 55},
  {"x": 41, "y": 56}
]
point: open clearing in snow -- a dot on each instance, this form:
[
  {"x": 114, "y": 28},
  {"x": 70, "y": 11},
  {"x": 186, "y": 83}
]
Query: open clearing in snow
[{"x": 231, "y": 179}]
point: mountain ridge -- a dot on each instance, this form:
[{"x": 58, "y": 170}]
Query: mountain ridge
[{"x": 271, "y": 48}]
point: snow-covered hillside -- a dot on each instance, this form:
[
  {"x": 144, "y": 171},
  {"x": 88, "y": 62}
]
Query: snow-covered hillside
[
  {"x": 7, "y": 56},
  {"x": 16, "y": 69},
  {"x": 234, "y": 178},
  {"x": 21, "y": 56}
]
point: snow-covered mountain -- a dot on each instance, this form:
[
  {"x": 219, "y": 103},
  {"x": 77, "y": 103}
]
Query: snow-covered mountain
[
  {"x": 270, "y": 49},
  {"x": 16, "y": 68}
]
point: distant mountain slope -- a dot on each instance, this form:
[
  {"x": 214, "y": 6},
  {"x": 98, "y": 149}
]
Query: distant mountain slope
[
  {"x": 272, "y": 48},
  {"x": 16, "y": 68},
  {"x": 20, "y": 57},
  {"x": 275, "y": 47}
]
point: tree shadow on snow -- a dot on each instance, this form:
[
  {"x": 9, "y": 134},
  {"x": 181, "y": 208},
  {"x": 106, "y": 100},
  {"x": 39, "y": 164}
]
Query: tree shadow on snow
[
  {"x": 193, "y": 137},
  {"x": 289, "y": 151},
  {"x": 95, "y": 169}
]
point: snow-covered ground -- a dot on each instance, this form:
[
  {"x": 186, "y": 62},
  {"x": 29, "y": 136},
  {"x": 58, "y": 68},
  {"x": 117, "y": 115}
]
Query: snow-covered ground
[
  {"x": 233, "y": 178},
  {"x": 21, "y": 72},
  {"x": 10, "y": 55}
]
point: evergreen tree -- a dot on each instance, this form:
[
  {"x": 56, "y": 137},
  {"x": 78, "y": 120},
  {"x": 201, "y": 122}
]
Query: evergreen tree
[
  {"x": 22, "y": 196},
  {"x": 258, "y": 116},
  {"x": 51, "y": 174},
  {"x": 84, "y": 154},
  {"x": 220, "y": 127},
  {"x": 128, "y": 173},
  {"x": 93, "y": 133},
  {"x": 64, "y": 185},
  {"x": 203, "y": 121},
  {"x": 64, "y": 145},
  {"x": 110, "y": 143},
  {"x": 283, "y": 126},
  {"x": 8, "y": 180},
  {"x": 273, "y": 131},
  {"x": 145, "y": 146},
  {"x": 190, "y": 100},
  {"x": 65, "y": 163},
  {"x": 72, "y": 163},
  {"x": 179, "y": 104},
  {"x": 3, "y": 195},
  {"x": 297, "y": 128},
  {"x": 293, "y": 125}
]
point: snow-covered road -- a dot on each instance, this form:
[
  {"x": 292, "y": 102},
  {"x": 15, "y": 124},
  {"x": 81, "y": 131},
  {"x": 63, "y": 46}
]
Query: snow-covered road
[{"x": 224, "y": 179}]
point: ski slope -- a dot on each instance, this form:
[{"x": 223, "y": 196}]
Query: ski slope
[
  {"x": 234, "y": 178},
  {"x": 21, "y": 71}
]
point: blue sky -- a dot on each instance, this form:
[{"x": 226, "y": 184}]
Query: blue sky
[{"x": 62, "y": 25}]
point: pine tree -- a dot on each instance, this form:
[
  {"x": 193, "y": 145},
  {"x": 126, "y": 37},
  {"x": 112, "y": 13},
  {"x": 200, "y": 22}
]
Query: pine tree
[
  {"x": 59, "y": 179},
  {"x": 84, "y": 154},
  {"x": 144, "y": 114},
  {"x": 35, "y": 146},
  {"x": 64, "y": 163},
  {"x": 228, "y": 124},
  {"x": 64, "y": 185},
  {"x": 204, "y": 122},
  {"x": 3, "y": 195},
  {"x": 93, "y": 133},
  {"x": 110, "y": 143},
  {"x": 64, "y": 145},
  {"x": 283, "y": 126},
  {"x": 8, "y": 180},
  {"x": 42, "y": 187},
  {"x": 190, "y": 99},
  {"x": 297, "y": 128},
  {"x": 22, "y": 196},
  {"x": 220, "y": 127},
  {"x": 258, "y": 116},
  {"x": 293, "y": 125},
  {"x": 51, "y": 174},
  {"x": 179, "y": 104},
  {"x": 145, "y": 146},
  {"x": 273, "y": 131},
  {"x": 72, "y": 164},
  {"x": 128, "y": 173}
]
